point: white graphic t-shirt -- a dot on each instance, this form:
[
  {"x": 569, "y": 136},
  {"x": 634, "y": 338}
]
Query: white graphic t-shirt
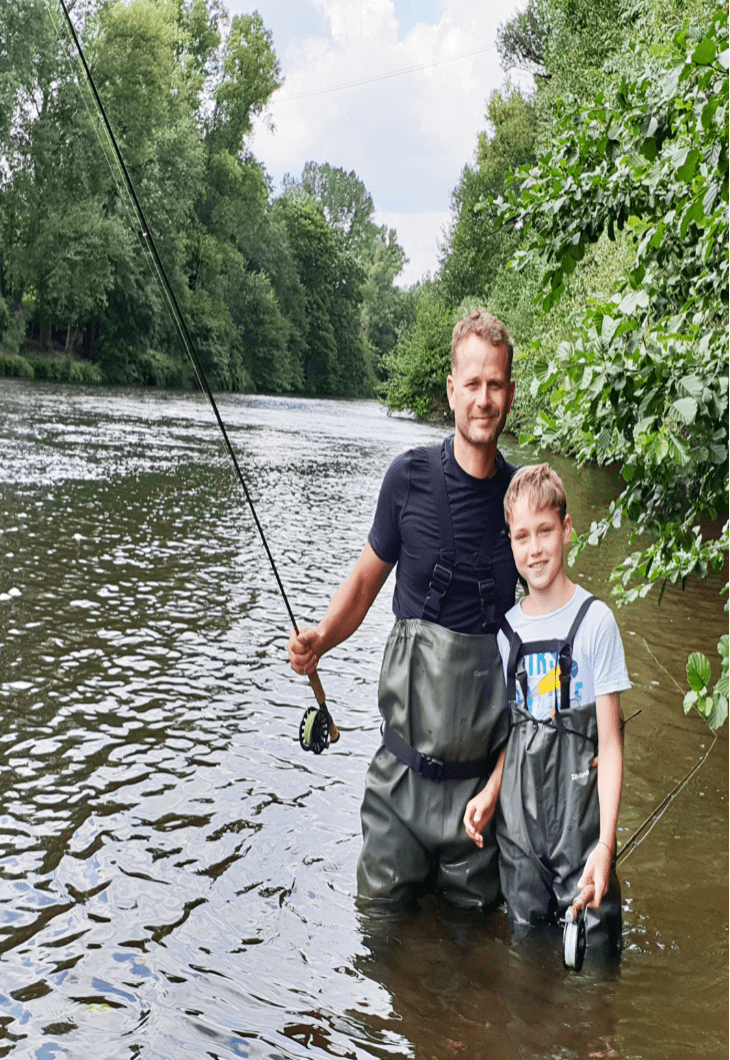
[{"x": 599, "y": 666}]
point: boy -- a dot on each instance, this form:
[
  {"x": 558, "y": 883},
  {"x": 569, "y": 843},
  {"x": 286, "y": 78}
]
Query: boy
[{"x": 565, "y": 669}]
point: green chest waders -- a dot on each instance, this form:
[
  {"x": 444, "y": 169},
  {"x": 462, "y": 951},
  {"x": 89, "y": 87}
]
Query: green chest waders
[
  {"x": 443, "y": 700},
  {"x": 548, "y": 819}
]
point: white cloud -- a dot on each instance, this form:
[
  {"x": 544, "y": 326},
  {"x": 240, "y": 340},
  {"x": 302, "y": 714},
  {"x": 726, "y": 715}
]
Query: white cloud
[{"x": 407, "y": 137}]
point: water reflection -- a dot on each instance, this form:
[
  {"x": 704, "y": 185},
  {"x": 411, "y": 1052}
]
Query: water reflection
[{"x": 176, "y": 876}]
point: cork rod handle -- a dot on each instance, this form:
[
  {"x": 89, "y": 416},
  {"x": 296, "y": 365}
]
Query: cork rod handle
[{"x": 320, "y": 697}]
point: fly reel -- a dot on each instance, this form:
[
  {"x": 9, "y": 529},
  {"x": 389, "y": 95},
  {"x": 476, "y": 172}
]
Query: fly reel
[
  {"x": 314, "y": 731},
  {"x": 574, "y": 932},
  {"x": 574, "y": 940},
  {"x": 317, "y": 730}
]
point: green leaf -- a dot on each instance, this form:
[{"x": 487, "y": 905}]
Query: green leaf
[
  {"x": 686, "y": 409},
  {"x": 649, "y": 149},
  {"x": 704, "y": 53},
  {"x": 687, "y": 170},
  {"x": 693, "y": 213},
  {"x": 708, "y": 113},
  {"x": 717, "y": 716},
  {"x": 692, "y": 385},
  {"x": 648, "y": 125},
  {"x": 608, "y": 329},
  {"x": 632, "y": 301},
  {"x": 699, "y": 671},
  {"x": 678, "y": 450}
]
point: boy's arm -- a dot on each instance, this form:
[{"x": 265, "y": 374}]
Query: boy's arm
[
  {"x": 610, "y": 778},
  {"x": 480, "y": 809}
]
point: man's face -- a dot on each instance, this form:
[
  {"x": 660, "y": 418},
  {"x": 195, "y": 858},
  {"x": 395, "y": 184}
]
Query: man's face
[{"x": 480, "y": 392}]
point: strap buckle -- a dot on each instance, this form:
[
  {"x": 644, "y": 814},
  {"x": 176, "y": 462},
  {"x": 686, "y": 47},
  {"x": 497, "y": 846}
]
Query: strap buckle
[
  {"x": 426, "y": 766},
  {"x": 440, "y": 581},
  {"x": 486, "y": 590}
]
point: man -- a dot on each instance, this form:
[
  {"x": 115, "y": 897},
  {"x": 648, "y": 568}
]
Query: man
[{"x": 440, "y": 521}]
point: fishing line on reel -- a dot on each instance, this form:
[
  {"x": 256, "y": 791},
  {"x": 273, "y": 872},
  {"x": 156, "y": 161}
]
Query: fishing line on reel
[{"x": 314, "y": 734}]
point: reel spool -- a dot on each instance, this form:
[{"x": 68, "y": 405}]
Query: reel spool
[
  {"x": 317, "y": 730},
  {"x": 314, "y": 730},
  {"x": 574, "y": 932},
  {"x": 574, "y": 940}
]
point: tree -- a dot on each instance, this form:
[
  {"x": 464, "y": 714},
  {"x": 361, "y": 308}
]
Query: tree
[
  {"x": 348, "y": 209},
  {"x": 521, "y": 41},
  {"x": 334, "y": 360},
  {"x": 476, "y": 251},
  {"x": 646, "y": 383},
  {"x": 418, "y": 366},
  {"x": 347, "y": 204}
]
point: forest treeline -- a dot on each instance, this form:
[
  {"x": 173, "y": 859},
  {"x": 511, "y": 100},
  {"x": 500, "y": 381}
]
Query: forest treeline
[{"x": 293, "y": 293}]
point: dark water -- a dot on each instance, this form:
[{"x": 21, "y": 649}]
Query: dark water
[{"x": 176, "y": 875}]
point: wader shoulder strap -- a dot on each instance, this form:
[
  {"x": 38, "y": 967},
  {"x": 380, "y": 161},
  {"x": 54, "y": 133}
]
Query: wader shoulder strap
[
  {"x": 515, "y": 644},
  {"x": 443, "y": 569},
  {"x": 562, "y": 648},
  {"x": 565, "y": 655}
]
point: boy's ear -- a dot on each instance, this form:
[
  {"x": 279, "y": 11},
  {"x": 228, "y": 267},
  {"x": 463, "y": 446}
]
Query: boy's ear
[{"x": 567, "y": 528}]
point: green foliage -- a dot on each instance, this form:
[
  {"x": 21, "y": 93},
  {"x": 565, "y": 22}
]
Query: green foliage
[
  {"x": 476, "y": 252},
  {"x": 62, "y": 369},
  {"x": 13, "y": 365},
  {"x": 334, "y": 357},
  {"x": 348, "y": 209},
  {"x": 418, "y": 366},
  {"x": 347, "y": 204},
  {"x": 521, "y": 41},
  {"x": 181, "y": 84},
  {"x": 645, "y": 384},
  {"x": 712, "y": 705}
]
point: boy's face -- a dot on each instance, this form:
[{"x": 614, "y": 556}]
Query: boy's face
[{"x": 538, "y": 537}]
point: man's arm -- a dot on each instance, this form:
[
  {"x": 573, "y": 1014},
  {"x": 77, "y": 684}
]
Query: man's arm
[
  {"x": 348, "y": 608},
  {"x": 610, "y": 778}
]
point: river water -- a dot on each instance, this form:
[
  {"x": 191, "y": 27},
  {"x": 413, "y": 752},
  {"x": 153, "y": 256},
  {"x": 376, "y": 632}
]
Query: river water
[{"x": 177, "y": 878}]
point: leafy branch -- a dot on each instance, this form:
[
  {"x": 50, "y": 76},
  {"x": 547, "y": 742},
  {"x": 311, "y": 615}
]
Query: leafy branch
[{"x": 645, "y": 383}]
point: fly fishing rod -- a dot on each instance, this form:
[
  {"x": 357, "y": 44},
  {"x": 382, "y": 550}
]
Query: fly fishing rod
[{"x": 317, "y": 729}]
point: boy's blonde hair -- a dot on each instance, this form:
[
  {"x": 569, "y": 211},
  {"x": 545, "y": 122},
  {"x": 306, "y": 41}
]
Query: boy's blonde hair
[{"x": 542, "y": 487}]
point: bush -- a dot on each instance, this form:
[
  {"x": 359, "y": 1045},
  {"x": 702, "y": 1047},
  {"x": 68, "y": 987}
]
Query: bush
[
  {"x": 418, "y": 366},
  {"x": 13, "y": 365},
  {"x": 63, "y": 369}
]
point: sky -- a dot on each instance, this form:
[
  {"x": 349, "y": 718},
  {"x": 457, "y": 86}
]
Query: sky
[{"x": 395, "y": 90}]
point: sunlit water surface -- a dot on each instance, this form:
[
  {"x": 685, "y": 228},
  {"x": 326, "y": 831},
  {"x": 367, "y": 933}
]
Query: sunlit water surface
[{"x": 177, "y": 878}]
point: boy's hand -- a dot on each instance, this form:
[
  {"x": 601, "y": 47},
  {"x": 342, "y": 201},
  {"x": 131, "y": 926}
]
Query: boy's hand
[
  {"x": 479, "y": 812},
  {"x": 597, "y": 873}
]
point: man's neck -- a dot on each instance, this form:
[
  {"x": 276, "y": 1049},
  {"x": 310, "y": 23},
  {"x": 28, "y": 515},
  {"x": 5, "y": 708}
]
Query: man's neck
[{"x": 477, "y": 460}]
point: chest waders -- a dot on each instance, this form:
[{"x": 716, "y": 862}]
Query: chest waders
[
  {"x": 443, "y": 699},
  {"x": 548, "y": 819}
]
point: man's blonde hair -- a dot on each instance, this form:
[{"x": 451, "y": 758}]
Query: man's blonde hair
[
  {"x": 542, "y": 487},
  {"x": 486, "y": 327}
]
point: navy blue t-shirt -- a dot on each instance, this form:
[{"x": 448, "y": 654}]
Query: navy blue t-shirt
[{"x": 406, "y": 531}]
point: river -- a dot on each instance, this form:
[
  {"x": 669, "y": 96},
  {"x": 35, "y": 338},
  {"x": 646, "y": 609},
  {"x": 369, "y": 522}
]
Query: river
[{"x": 177, "y": 878}]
